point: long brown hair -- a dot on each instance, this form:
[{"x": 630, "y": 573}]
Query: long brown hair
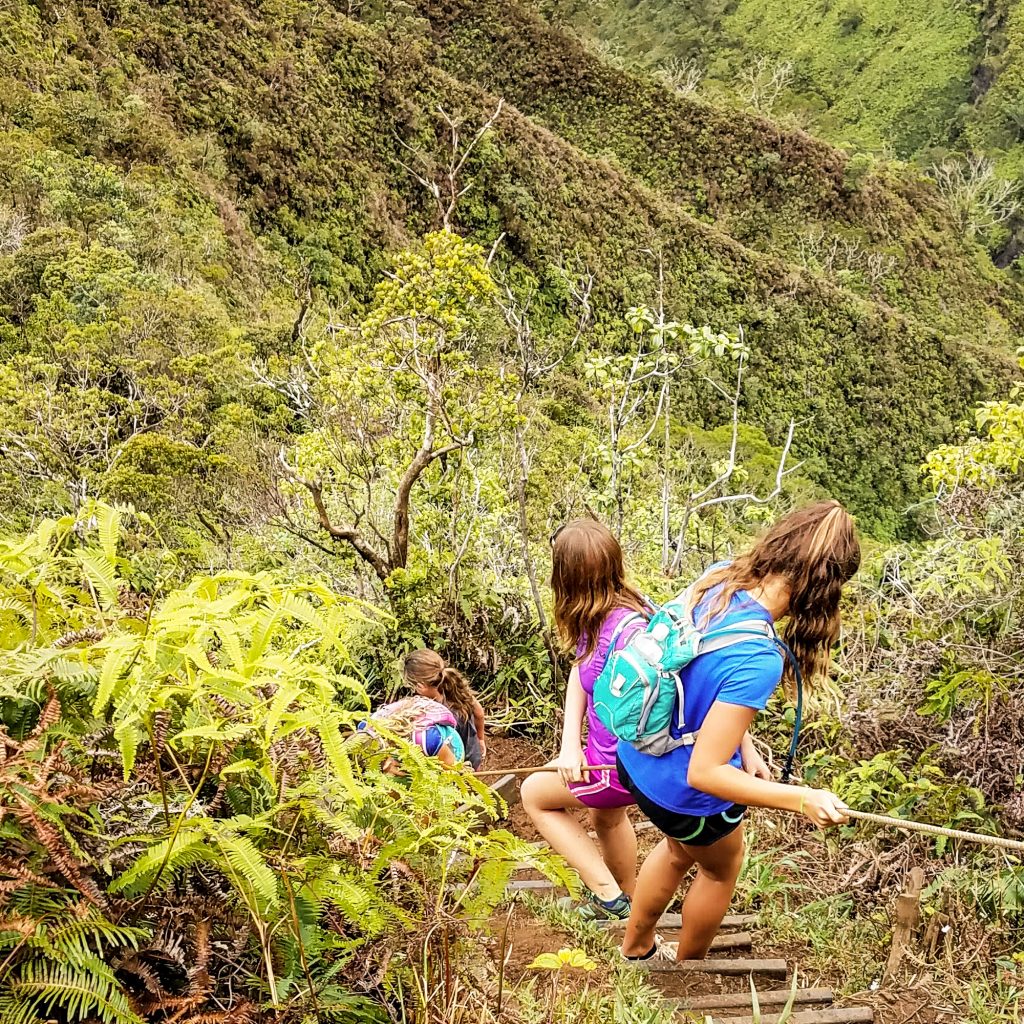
[
  {"x": 816, "y": 550},
  {"x": 428, "y": 668},
  {"x": 588, "y": 576}
]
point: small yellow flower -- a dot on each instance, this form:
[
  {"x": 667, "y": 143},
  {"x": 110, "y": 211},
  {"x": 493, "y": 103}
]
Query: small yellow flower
[{"x": 572, "y": 958}]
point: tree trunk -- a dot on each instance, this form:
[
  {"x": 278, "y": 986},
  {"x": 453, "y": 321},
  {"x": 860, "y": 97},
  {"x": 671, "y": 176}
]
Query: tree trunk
[{"x": 400, "y": 531}]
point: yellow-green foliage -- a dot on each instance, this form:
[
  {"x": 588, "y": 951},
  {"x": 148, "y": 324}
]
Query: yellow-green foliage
[
  {"x": 195, "y": 190},
  {"x": 994, "y": 455},
  {"x": 234, "y": 772}
]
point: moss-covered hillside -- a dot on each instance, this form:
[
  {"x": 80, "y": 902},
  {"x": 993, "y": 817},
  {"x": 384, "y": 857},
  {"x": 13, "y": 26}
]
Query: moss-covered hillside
[
  {"x": 921, "y": 79},
  {"x": 181, "y": 181}
]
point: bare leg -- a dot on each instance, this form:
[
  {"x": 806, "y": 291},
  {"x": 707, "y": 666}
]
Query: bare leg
[
  {"x": 661, "y": 875},
  {"x": 617, "y": 840},
  {"x": 547, "y": 801},
  {"x": 718, "y": 867}
]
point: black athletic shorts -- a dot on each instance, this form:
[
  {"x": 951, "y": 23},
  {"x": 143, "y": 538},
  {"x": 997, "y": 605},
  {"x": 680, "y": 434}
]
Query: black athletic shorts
[{"x": 689, "y": 829}]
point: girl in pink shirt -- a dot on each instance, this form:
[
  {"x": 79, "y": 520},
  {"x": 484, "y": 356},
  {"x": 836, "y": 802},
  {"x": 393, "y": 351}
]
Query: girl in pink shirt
[{"x": 592, "y": 600}]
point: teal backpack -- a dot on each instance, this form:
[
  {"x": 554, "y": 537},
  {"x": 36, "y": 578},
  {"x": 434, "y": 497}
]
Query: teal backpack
[{"x": 639, "y": 694}]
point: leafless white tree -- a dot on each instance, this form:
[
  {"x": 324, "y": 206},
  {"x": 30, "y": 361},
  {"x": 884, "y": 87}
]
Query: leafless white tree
[
  {"x": 764, "y": 80},
  {"x": 682, "y": 75},
  {"x": 13, "y": 229},
  {"x": 978, "y": 198},
  {"x": 831, "y": 253},
  {"x": 445, "y": 181}
]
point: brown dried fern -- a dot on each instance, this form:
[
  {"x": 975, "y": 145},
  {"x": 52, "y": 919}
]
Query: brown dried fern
[
  {"x": 53, "y": 842},
  {"x": 89, "y": 635}
]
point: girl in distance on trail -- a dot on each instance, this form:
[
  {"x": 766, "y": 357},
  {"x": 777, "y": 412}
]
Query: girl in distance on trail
[
  {"x": 592, "y": 601},
  {"x": 429, "y": 676},
  {"x": 697, "y": 795},
  {"x": 426, "y": 723}
]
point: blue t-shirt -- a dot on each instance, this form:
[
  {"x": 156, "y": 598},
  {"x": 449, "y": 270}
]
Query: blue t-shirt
[{"x": 746, "y": 673}]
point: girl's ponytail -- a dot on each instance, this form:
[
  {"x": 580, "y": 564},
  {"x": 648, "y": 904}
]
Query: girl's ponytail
[
  {"x": 428, "y": 668},
  {"x": 457, "y": 693}
]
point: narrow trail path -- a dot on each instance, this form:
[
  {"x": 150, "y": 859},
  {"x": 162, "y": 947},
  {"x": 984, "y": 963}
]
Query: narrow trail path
[{"x": 720, "y": 986}]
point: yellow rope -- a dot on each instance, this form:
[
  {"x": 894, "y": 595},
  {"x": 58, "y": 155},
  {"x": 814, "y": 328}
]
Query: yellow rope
[{"x": 905, "y": 824}]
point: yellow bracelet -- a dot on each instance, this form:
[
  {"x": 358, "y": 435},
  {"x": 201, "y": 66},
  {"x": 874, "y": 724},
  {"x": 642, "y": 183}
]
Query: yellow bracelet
[{"x": 803, "y": 798}]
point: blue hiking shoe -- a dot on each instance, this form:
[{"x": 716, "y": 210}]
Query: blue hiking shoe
[{"x": 600, "y": 910}]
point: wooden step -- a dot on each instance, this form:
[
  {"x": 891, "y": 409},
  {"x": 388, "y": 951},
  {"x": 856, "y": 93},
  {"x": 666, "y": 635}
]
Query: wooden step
[
  {"x": 741, "y": 1000},
  {"x": 676, "y": 921},
  {"x": 774, "y": 968},
  {"x": 531, "y": 883},
  {"x": 853, "y": 1015},
  {"x": 507, "y": 787},
  {"x": 732, "y": 940}
]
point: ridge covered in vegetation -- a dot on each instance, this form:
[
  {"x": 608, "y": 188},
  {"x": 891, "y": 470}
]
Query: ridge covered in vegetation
[
  {"x": 245, "y": 165},
  {"x": 925, "y": 80}
]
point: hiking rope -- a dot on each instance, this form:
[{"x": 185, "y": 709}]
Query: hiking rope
[
  {"x": 937, "y": 830},
  {"x": 905, "y": 824}
]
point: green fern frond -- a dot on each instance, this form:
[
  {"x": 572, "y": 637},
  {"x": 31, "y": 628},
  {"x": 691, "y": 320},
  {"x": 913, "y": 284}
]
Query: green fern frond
[
  {"x": 76, "y": 940},
  {"x": 120, "y": 651},
  {"x": 231, "y": 646},
  {"x": 128, "y": 735},
  {"x": 108, "y": 527},
  {"x": 266, "y": 622},
  {"x": 16, "y": 606},
  {"x": 101, "y": 572},
  {"x": 38, "y": 902},
  {"x": 79, "y": 991},
  {"x": 283, "y": 699},
  {"x": 338, "y": 757},
  {"x": 186, "y": 849},
  {"x": 249, "y": 872}
]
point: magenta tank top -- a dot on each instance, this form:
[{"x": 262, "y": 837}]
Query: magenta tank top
[{"x": 601, "y": 744}]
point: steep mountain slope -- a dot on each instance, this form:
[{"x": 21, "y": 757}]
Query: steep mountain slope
[
  {"x": 772, "y": 188},
  {"x": 872, "y": 72},
  {"x": 922, "y": 79},
  {"x": 254, "y": 156}
]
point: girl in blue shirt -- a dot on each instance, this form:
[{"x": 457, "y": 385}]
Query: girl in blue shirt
[{"x": 697, "y": 795}]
